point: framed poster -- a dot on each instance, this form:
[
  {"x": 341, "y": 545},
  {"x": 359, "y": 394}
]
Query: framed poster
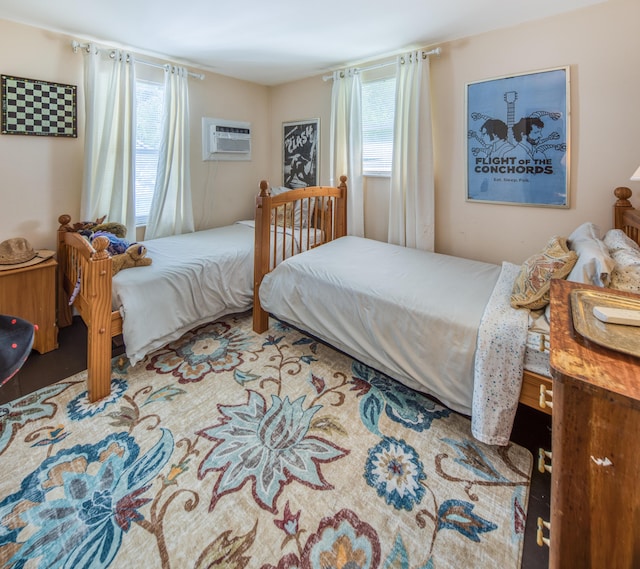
[
  {"x": 301, "y": 141},
  {"x": 40, "y": 108},
  {"x": 518, "y": 139}
]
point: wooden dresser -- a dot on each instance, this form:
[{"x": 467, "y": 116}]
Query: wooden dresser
[
  {"x": 595, "y": 478},
  {"x": 30, "y": 293}
]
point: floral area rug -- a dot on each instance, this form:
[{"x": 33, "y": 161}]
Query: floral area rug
[{"x": 233, "y": 449}]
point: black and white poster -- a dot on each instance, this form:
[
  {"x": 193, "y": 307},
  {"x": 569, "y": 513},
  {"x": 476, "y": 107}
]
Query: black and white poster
[{"x": 300, "y": 153}]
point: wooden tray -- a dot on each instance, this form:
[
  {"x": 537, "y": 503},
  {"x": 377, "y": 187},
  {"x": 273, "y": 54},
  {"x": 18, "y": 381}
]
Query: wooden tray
[{"x": 619, "y": 337}]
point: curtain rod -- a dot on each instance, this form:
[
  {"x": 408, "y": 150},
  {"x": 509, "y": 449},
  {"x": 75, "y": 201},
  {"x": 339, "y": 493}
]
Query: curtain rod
[
  {"x": 77, "y": 45},
  {"x": 425, "y": 54}
]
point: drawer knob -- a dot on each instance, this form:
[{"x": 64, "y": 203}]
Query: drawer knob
[
  {"x": 543, "y": 455},
  {"x": 546, "y": 396},
  {"x": 541, "y": 540}
]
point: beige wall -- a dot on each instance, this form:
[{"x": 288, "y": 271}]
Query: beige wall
[
  {"x": 306, "y": 99},
  {"x": 41, "y": 177},
  {"x": 602, "y": 48}
]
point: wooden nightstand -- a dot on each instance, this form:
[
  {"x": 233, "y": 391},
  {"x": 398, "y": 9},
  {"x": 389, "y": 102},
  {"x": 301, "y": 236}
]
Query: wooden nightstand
[
  {"x": 30, "y": 293},
  {"x": 595, "y": 497}
]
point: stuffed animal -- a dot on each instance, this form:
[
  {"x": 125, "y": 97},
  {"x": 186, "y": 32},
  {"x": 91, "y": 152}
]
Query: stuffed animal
[
  {"x": 134, "y": 256},
  {"x": 117, "y": 245}
]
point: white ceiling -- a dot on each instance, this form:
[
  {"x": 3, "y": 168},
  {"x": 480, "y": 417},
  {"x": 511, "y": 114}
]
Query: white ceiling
[{"x": 275, "y": 42}]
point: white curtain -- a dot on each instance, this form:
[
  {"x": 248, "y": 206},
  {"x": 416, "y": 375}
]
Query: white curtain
[
  {"x": 346, "y": 144},
  {"x": 171, "y": 211},
  {"x": 108, "y": 185},
  {"x": 411, "y": 203}
]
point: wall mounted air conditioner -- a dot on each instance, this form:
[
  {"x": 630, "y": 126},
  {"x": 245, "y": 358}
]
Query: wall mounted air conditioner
[{"x": 225, "y": 140}]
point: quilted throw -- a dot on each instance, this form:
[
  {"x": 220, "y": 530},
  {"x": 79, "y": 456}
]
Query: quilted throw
[{"x": 231, "y": 449}]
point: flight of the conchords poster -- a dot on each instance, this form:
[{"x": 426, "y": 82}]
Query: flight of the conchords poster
[{"x": 517, "y": 139}]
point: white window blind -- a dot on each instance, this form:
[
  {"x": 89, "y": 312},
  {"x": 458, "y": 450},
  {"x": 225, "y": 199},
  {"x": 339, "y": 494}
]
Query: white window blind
[
  {"x": 378, "y": 108},
  {"x": 149, "y": 101}
]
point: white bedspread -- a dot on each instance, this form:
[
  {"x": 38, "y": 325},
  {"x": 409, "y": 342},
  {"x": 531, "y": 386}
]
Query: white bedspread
[
  {"x": 502, "y": 340},
  {"x": 194, "y": 278},
  {"x": 416, "y": 321}
]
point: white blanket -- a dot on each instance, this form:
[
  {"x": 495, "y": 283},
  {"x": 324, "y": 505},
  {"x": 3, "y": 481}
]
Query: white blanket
[
  {"x": 416, "y": 320},
  {"x": 499, "y": 362},
  {"x": 194, "y": 278}
]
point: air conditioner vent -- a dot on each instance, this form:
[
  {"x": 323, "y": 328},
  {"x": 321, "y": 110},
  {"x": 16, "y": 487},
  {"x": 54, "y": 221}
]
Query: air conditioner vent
[{"x": 225, "y": 140}]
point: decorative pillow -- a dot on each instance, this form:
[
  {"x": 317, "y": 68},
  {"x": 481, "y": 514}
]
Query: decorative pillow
[
  {"x": 626, "y": 274},
  {"x": 587, "y": 230},
  {"x": 616, "y": 239},
  {"x": 284, "y": 216},
  {"x": 531, "y": 287},
  {"x": 300, "y": 211},
  {"x": 594, "y": 264}
]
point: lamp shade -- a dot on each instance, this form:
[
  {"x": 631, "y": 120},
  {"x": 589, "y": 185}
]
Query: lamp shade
[{"x": 636, "y": 175}]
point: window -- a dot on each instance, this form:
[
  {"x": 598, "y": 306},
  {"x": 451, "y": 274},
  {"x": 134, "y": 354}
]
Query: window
[
  {"x": 149, "y": 101},
  {"x": 378, "y": 109}
]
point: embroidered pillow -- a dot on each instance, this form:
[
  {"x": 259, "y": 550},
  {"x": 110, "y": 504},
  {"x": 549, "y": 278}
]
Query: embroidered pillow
[
  {"x": 531, "y": 287},
  {"x": 300, "y": 207},
  {"x": 594, "y": 264},
  {"x": 284, "y": 216},
  {"x": 626, "y": 274},
  {"x": 616, "y": 239}
]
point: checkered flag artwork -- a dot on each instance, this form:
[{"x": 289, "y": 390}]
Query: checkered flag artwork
[{"x": 37, "y": 107}]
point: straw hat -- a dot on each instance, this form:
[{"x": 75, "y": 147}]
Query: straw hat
[{"x": 17, "y": 252}]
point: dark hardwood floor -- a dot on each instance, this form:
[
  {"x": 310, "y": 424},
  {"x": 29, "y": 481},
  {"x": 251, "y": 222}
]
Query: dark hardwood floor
[{"x": 532, "y": 429}]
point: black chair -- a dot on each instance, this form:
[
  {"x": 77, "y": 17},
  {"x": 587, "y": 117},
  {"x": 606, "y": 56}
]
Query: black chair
[{"x": 16, "y": 341}]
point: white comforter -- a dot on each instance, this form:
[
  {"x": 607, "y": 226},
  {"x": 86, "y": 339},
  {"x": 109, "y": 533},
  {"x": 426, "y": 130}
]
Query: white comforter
[
  {"x": 418, "y": 320},
  {"x": 194, "y": 278}
]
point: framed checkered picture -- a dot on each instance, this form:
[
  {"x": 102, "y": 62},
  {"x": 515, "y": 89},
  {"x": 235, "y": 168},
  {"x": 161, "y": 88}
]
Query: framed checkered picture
[{"x": 38, "y": 108}]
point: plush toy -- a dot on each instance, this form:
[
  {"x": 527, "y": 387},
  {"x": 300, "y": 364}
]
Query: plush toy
[
  {"x": 134, "y": 256},
  {"x": 117, "y": 245}
]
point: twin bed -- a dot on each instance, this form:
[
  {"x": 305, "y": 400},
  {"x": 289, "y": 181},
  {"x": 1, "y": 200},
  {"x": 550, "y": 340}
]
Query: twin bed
[
  {"x": 338, "y": 293},
  {"x": 439, "y": 324},
  {"x": 193, "y": 278}
]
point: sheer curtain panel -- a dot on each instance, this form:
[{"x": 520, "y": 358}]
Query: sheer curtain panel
[
  {"x": 411, "y": 202},
  {"x": 108, "y": 185},
  {"x": 346, "y": 144},
  {"x": 171, "y": 209}
]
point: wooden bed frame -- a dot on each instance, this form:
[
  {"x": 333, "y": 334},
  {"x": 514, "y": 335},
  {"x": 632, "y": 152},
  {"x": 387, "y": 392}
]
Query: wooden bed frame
[
  {"x": 536, "y": 388},
  {"x": 90, "y": 266},
  {"x": 86, "y": 267}
]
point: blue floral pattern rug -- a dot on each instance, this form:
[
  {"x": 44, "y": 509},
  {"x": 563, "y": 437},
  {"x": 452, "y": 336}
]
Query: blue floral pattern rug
[{"x": 231, "y": 449}]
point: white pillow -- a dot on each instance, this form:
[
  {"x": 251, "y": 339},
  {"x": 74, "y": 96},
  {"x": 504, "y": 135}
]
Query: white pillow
[
  {"x": 587, "y": 230},
  {"x": 626, "y": 274},
  {"x": 616, "y": 239},
  {"x": 299, "y": 213},
  {"x": 594, "y": 264}
]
